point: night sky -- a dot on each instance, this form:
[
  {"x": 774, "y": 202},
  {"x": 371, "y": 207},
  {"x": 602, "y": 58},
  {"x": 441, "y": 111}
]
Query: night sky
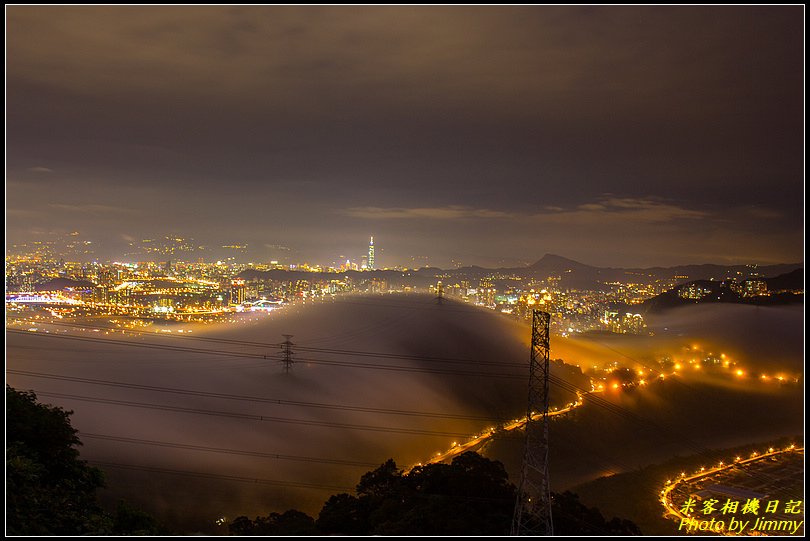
[{"x": 616, "y": 136}]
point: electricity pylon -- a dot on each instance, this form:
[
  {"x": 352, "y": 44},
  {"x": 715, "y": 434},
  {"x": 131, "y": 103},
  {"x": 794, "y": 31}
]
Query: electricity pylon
[
  {"x": 287, "y": 353},
  {"x": 533, "y": 507},
  {"x": 440, "y": 295}
]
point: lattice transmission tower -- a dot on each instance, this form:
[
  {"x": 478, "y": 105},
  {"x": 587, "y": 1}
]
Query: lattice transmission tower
[
  {"x": 439, "y": 293},
  {"x": 287, "y": 353},
  {"x": 533, "y": 507}
]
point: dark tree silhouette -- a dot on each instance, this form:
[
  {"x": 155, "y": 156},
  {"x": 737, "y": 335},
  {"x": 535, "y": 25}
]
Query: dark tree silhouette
[
  {"x": 344, "y": 513},
  {"x": 48, "y": 489},
  {"x": 129, "y": 520},
  {"x": 470, "y": 496},
  {"x": 292, "y": 522},
  {"x": 573, "y": 518}
]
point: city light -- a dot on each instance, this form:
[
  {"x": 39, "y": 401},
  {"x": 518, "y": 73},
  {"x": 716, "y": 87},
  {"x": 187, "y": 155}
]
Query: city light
[{"x": 135, "y": 297}]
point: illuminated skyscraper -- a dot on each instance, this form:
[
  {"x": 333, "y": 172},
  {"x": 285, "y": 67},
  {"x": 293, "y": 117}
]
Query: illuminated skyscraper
[
  {"x": 371, "y": 254},
  {"x": 237, "y": 291}
]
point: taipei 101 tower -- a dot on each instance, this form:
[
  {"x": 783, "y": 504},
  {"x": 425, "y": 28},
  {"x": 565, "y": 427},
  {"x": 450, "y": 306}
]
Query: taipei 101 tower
[{"x": 371, "y": 254}]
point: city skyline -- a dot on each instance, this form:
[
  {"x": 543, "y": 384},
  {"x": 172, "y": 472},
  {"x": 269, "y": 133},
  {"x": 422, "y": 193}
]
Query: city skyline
[
  {"x": 616, "y": 136},
  {"x": 535, "y": 270},
  {"x": 73, "y": 250}
]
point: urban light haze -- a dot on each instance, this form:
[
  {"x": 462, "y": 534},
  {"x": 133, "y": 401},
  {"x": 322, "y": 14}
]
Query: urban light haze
[
  {"x": 617, "y": 136},
  {"x": 404, "y": 270}
]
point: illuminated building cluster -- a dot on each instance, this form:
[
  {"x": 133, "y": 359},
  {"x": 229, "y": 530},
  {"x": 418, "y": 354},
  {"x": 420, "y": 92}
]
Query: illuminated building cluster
[
  {"x": 572, "y": 310},
  {"x": 623, "y": 323},
  {"x": 694, "y": 291},
  {"x": 754, "y": 288},
  {"x": 174, "y": 285},
  {"x": 170, "y": 289}
]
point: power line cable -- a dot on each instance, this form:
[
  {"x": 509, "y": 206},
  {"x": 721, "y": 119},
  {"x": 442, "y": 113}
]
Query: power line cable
[
  {"x": 253, "y": 417},
  {"x": 206, "y": 475},
  {"x": 220, "y": 450},
  {"x": 265, "y": 400}
]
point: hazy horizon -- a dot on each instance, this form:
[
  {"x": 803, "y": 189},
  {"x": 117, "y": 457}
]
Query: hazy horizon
[{"x": 617, "y": 135}]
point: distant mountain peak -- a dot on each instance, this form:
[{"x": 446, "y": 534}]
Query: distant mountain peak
[{"x": 554, "y": 260}]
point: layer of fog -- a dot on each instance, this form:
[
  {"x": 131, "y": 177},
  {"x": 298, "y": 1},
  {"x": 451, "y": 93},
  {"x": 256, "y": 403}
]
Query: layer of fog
[
  {"x": 437, "y": 337},
  {"x": 392, "y": 324},
  {"x": 758, "y": 338},
  {"x": 676, "y": 417}
]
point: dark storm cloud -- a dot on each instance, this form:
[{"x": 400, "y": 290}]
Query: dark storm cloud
[{"x": 346, "y": 115}]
